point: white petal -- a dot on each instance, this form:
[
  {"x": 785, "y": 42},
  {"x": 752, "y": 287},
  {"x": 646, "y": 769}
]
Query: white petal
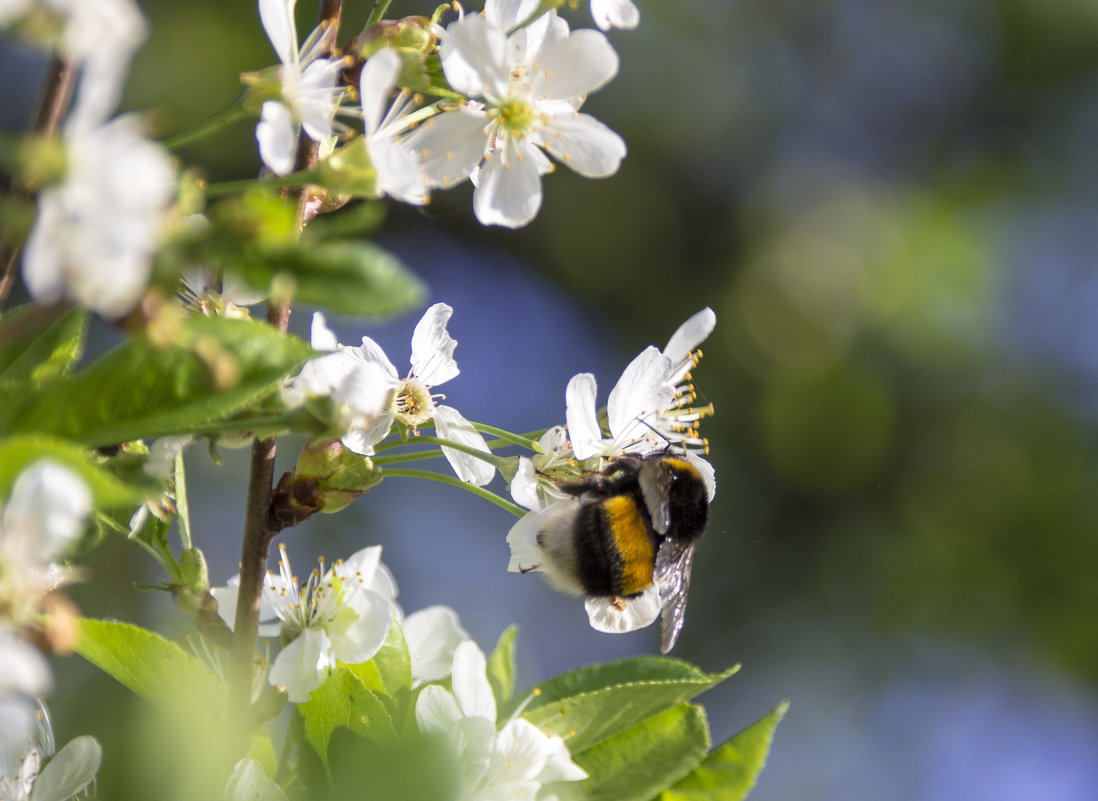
[
  {"x": 372, "y": 352},
  {"x": 636, "y": 612},
  {"x": 470, "y": 682},
  {"x": 560, "y": 767},
  {"x": 436, "y": 710},
  {"x": 582, "y": 417},
  {"x": 277, "y": 137},
  {"x": 363, "y": 440},
  {"x": 450, "y": 144},
  {"x": 474, "y": 57},
  {"x": 690, "y": 334},
  {"x": 377, "y": 81},
  {"x": 452, "y": 426},
  {"x": 433, "y": 347},
  {"x": 399, "y": 174},
  {"x": 359, "y": 629},
  {"x": 584, "y": 144},
  {"x": 642, "y": 391},
  {"x": 508, "y": 186},
  {"x": 48, "y": 505},
  {"x": 574, "y": 66},
  {"x": 302, "y": 665},
  {"x": 277, "y": 17},
  {"x": 71, "y": 770},
  {"x": 248, "y": 782},
  {"x": 321, "y": 337},
  {"x": 615, "y": 14},
  {"x": 360, "y": 566},
  {"x": 524, "y": 486},
  {"x": 26, "y": 671},
  {"x": 522, "y": 750},
  {"x": 433, "y": 634},
  {"x": 506, "y": 14},
  {"x": 317, "y": 101}
]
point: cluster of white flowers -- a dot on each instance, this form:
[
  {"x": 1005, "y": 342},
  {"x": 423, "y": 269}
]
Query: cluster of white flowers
[
  {"x": 523, "y": 84},
  {"x": 371, "y": 396},
  {"x": 513, "y": 761},
  {"x": 342, "y": 614},
  {"x": 44, "y": 514}
]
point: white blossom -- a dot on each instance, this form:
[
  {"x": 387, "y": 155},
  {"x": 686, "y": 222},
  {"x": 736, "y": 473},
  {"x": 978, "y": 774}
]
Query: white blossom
[
  {"x": 66, "y": 774},
  {"x": 358, "y": 386},
  {"x": 97, "y": 231},
  {"x": 399, "y": 174},
  {"x": 341, "y": 614},
  {"x": 43, "y": 517},
  {"x": 26, "y": 674},
  {"x": 525, "y": 92},
  {"x": 308, "y": 91},
  {"x": 413, "y": 404},
  {"x": 513, "y": 762}
]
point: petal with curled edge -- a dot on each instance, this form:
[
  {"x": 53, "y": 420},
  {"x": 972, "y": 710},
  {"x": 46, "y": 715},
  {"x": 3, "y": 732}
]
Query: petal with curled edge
[
  {"x": 619, "y": 615},
  {"x": 451, "y": 425},
  {"x": 470, "y": 682},
  {"x": 582, "y": 417},
  {"x": 433, "y": 348}
]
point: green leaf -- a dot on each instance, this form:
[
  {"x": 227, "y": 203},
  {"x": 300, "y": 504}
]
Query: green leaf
[
  {"x": 36, "y": 344},
  {"x": 729, "y": 773},
  {"x": 343, "y": 700},
  {"x": 18, "y": 453},
  {"x": 156, "y": 669},
  {"x": 591, "y": 704},
  {"x": 217, "y": 368},
  {"x": 501, "y": 665},
  {"x": 638, "y": 763},
  {"x": 351, "y": 277},
  {"x": 389, "y": 673}
]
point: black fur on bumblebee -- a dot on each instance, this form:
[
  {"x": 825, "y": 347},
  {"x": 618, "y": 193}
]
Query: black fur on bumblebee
[{"x": 624, "y": 538}]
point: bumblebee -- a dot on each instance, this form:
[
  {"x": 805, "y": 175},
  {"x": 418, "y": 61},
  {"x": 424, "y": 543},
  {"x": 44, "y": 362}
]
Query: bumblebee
[{"x": 624, "y": 538}]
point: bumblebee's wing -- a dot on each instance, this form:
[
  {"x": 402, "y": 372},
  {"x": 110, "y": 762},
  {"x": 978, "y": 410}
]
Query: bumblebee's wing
[
  {"x": 673, "y": 565},
  {"x": 655, "y": 483}
]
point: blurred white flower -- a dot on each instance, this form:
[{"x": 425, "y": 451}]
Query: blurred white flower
[
  {"x": 399, "y": 174},
  {"x": 615, "y": 14},
  {"x": 26, "y": 674},
  {"x": 97, "y": 231},
  {"x": 309, "y": 92},
  {"x": 211, "y": 294},
  {"x": 413, "y": 403},
  {"x": 341, "y": 614},
  {"x": 527, "y": 88},
  {"x": 42, "y": 518},
  {"x": 514, "y": 762},
  {"x": 66, "y": 774}
]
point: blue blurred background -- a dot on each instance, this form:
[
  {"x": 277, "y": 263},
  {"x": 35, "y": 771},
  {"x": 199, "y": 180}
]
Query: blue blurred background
[{"x": 892, "y": 206}]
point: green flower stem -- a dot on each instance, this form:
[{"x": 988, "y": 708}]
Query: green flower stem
[
  {"x": 296, "y": 179},
  {"x": 380, "y": 7},
  {"x": 521, "y": 440},
  {"x": 215, "y": 122},
  {"x": 182, "y": 509},
  {"x": 454, "y": 481},
  {"x": 415, "y": 456}
]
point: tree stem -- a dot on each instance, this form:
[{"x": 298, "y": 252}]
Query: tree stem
[
  {"x": 258, "y": 529},
  {"x": 54, "y": 101}
]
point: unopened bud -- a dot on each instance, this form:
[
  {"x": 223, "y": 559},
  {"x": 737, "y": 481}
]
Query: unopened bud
[{"x": 192, "y": 569}]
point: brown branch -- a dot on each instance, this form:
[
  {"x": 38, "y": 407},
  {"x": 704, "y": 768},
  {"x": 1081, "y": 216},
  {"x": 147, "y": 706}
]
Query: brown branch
[
  {"x": 259, "y": 528},
  {"x": 52, "y": 104}
]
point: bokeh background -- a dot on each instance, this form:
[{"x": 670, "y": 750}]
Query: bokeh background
[{"x": 892, "y": 205}]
